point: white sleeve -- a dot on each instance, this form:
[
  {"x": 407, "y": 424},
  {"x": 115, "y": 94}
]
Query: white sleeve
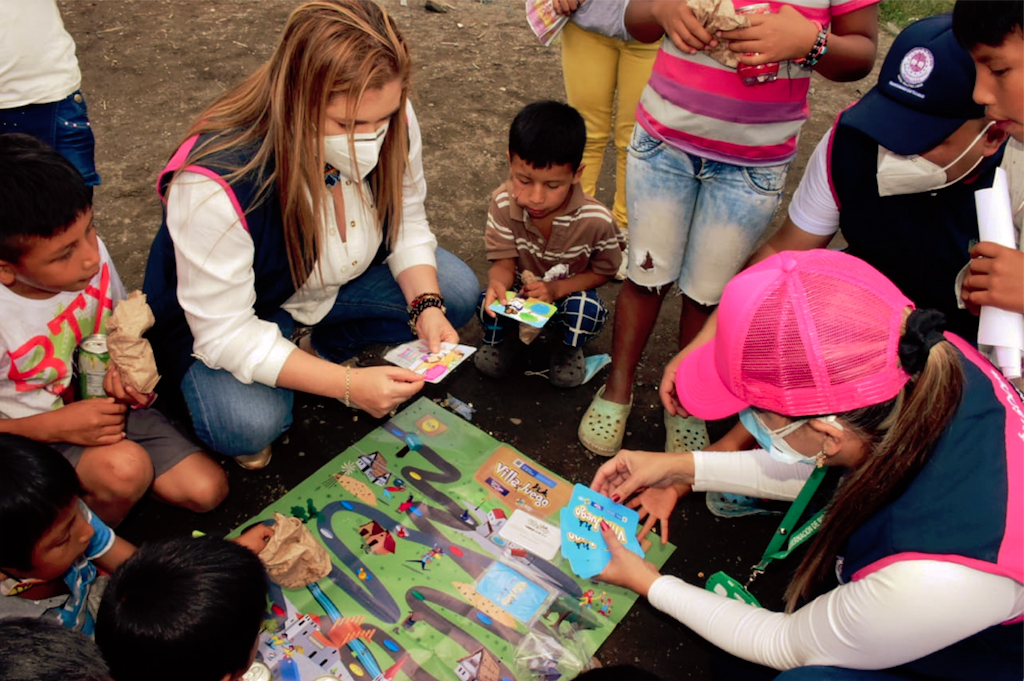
[
  {"x": 416, "y": 243},
  {"x": 813, "y": 208},
  {"x": 117, "y": 292},
  {"x": 753, "y": 473},
  {"x": 896, "y": 615},
  {"x": 216, "y": 284}
]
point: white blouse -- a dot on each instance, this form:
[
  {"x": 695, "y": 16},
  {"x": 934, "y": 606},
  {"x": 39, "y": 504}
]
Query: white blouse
[{"x": 216, "y": 282}]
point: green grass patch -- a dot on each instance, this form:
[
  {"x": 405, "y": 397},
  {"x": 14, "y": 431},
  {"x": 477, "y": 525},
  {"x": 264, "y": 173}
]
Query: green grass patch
[{"x": 901, "y": 13}]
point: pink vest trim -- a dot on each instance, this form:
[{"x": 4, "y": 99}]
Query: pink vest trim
[
  {"x": 1010, "y": 560},
  {"x": 178, "y": 162},
  {"x": 828, "y": 158}
]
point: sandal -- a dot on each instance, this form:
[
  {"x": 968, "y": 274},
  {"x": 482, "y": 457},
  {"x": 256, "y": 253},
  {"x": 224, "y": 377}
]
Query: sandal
[
  {"x": 688, "y": 434},
  {"x": 567, "y": 366},
  {"x": 604, "y": 425}
]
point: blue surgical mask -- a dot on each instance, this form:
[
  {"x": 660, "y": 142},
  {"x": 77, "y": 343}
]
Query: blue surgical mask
[{"x": 774, "y": 441}]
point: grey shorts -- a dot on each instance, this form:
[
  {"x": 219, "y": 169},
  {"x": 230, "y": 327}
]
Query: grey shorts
[{"x": 152, "y": 431}]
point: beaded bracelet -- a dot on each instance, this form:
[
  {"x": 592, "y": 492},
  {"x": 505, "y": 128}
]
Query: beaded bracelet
[
  {"x": 347, "y": 400},
  {"x": 421, "y": 303},
  {"x": 819, "y": 50}
]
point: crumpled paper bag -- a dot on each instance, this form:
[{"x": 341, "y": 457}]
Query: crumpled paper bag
[
  {"x": 129, "y": 351},
  {"x": 293, "y": 558},
  {"x": 719, "y": 15}
]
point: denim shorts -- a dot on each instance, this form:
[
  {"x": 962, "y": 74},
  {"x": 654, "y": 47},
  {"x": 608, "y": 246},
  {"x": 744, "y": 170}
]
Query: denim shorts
[
  {"x": 694, "y": 221},
  {"x": 64, "y": 125}
]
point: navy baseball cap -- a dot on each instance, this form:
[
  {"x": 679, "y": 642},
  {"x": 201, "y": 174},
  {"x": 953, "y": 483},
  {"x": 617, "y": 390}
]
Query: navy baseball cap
[{"x": 924, "y": 92}]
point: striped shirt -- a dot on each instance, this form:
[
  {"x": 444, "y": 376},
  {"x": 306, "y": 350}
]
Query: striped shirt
[
  {"x": 583, "y": 237},
  {"x": 701, "y": 107}
]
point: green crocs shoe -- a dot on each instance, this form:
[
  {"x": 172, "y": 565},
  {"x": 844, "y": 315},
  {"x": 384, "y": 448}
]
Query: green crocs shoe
[
  {"x": 604, "y": 425},
  {"x": 688, "y": 434}
]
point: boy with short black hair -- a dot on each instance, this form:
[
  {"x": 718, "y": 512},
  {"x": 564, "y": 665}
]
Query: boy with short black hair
[
  {"x": 51, "y": 539},
  {"x": 37, "y": 650},
  {"x": 183, "y": 609},
  {"x": 993, "y": 32},
  {"x": 541, "y": 221},
  {"x": 59, "y": 287}
]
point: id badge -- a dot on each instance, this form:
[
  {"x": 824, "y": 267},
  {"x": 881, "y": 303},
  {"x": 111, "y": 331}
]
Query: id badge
[{"x": 724, "y": 585}]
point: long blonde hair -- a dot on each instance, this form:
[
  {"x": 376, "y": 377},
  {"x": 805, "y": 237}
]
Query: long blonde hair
[
  {"x": 327, "y": 48},
  {"x": 896, "y": 455}
]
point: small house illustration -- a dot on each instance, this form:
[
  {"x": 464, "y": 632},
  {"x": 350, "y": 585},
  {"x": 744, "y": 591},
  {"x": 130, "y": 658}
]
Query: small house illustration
[
  {"x": 478, "y": 666},
  {"x": 375, "y": 466},
  {"x": 376, "y": 539},
  {"x": 496, "y": 519}
]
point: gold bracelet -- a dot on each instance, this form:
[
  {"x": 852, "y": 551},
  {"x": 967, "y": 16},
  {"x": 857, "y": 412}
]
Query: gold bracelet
[{"x": 347, "y": 401}]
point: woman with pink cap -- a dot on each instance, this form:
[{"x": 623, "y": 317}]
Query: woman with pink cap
[{"x": 829, "y": 364}]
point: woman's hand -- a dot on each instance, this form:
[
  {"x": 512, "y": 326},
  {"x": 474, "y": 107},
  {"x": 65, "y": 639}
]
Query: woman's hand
[
  {"x": 630, "y": 470},
  {"x": 773, "y": 37},
  {"x": 379, "y": 390},
  {"x": 626, "y": 568},
  {"x": 433, "y": 326}
]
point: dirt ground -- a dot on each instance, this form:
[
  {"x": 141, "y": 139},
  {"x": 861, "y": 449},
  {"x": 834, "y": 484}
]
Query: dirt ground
[{"x": 148, "y": 66}]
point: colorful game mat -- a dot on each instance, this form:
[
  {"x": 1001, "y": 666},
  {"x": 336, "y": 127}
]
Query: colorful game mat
[{"x": 423, "y": 585}]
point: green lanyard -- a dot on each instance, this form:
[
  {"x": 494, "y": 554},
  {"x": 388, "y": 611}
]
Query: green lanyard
[{"x": 784, "y": 541}]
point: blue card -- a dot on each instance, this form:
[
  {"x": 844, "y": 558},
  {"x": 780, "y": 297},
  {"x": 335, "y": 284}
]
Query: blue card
[{"x": 580, "y": 522}]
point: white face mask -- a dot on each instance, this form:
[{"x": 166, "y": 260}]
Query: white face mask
[
  {"x": 368, "y": 146},
  {"x": 774, "y": 441},
  {"x": 902, "y": 175}
]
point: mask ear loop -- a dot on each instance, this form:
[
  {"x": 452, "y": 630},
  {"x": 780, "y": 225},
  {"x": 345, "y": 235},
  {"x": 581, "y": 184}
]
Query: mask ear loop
[{"x": 964, "y": 153}]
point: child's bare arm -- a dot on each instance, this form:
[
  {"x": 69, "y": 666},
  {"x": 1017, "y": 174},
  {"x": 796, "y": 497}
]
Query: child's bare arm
[
  {"x": 121, "y": 551},
  {"x": 499, "y": 279},
  {"x": 90, "y": 423},
  {"x": 550, "y": 291}
]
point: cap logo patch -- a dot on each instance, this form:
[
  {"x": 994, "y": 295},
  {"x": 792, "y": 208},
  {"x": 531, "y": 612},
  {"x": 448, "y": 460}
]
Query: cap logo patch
[{"x": 916, "y": 66}]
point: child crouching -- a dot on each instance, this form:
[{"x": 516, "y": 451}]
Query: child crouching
[{"x": 540, "y": 219}]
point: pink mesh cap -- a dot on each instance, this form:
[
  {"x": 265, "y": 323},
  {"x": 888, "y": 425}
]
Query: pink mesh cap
[{"x": 801, "y": 333}]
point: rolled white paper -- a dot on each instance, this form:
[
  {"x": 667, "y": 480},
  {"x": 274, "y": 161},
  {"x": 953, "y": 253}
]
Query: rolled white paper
[{"x": 1002, "y": 329}]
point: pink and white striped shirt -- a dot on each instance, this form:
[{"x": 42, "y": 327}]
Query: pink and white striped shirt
[{"x": 701, "y": 106}]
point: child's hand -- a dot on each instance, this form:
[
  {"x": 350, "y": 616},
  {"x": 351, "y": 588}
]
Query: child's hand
[
  {"x": 125, "y": 394},
  {"x": 255, "y": 538},
  {"x": 90, "y": 423},
  {"x": 773, "y": 37},
  {"x": 541, "y": 290},
  {"x": 495, "y": 291},
  {"x": 626, "y": 568},
  {"x": 681, "y": 26},
  {"x": 566, "y": 7},
  {"x": 996, "y": 278}
]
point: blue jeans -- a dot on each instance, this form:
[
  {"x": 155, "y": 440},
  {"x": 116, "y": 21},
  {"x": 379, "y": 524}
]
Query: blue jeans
[
  {"x": 237, "y": 419},
  {"x": 579, "y": 318},
  {"x": 64, "y": 125},
  {"x": 694, "y": 221}
]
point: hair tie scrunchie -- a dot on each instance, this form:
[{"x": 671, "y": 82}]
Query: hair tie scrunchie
[{"x": 924, "y": 330}]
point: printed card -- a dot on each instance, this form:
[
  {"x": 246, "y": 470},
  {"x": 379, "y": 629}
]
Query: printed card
[
  {"x": 530, "y": 311},
  {"x": 582, "y": 543},
  {"x": 432, "y": 366},
  {"x": 533, "y": 534}
]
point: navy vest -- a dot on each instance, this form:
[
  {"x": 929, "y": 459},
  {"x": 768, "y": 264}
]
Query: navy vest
[
  {"x": 171, "y": 337},
  {"x": 964, "y": 506},
  {"x": 919, "y": 241}
]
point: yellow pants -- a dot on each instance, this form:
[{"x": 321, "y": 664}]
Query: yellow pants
[{"x": 601, "y": 75}]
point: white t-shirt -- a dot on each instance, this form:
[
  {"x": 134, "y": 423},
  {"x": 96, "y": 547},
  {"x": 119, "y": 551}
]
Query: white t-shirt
[
  {"x": 216, "y": 283},
  {"x": 892, "y": 616},
  {"x": 38, "y": 340},
  {"x": 37, "y": 55}
]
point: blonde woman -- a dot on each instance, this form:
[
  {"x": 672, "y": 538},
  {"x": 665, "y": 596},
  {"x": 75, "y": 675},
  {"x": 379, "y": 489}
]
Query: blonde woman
[
  {"x": 917, "y": 569},
  {"x": 297, "y": 200}
]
